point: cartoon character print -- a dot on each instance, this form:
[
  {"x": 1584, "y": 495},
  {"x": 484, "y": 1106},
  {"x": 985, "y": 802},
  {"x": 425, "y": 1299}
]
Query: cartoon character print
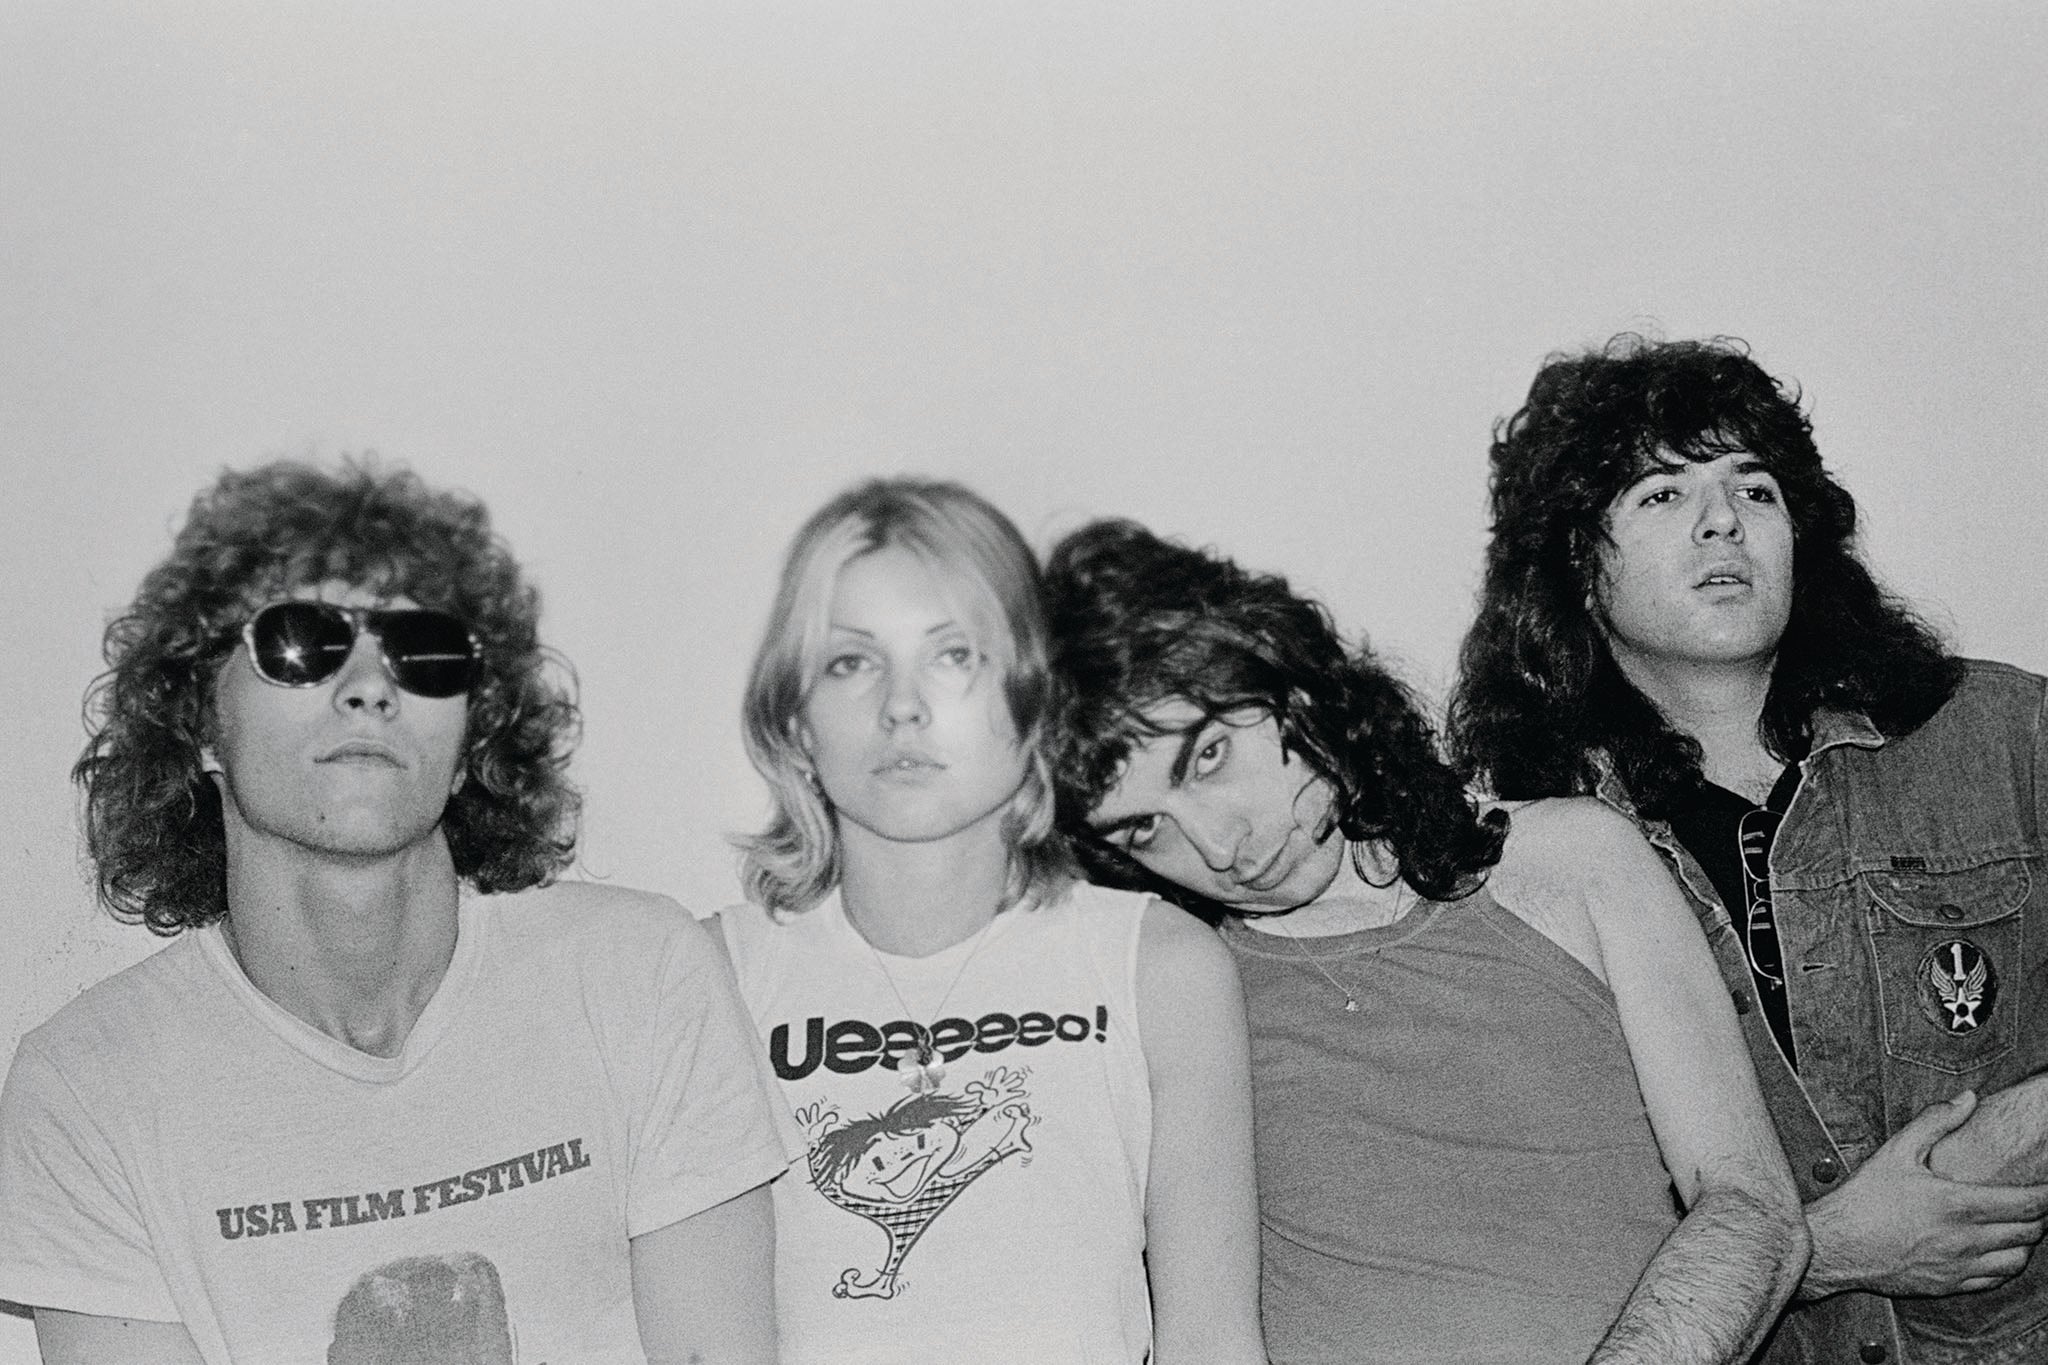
[{"x": 903, "y": 1167}]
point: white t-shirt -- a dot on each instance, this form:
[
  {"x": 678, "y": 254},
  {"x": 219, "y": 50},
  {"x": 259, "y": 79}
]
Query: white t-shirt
[
  {"x": 175, "y": 1146},
  {"x": 999, "y": 1217}
]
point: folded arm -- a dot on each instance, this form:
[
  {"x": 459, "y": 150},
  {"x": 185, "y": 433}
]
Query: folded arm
[
  {"x": 1955, "y": 1200},
  {"x": 1921, "y": 1216},
  {"x": 2004, "y": 1141}
]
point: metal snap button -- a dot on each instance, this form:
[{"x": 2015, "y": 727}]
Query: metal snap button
[
  {"x": 1743, "y": 1003},
  {"x": 1872, "y": 1352},
  {"x": 1827, "y": 1171}
]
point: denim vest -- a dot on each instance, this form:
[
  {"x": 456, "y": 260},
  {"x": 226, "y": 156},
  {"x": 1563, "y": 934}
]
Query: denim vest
[{"x": 1901, "y": 865}]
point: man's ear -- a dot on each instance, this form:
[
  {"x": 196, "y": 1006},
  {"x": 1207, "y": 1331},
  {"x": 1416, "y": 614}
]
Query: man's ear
[
  {"x": 1596, "y": 610},
  {"x": 208, "y": 729}
]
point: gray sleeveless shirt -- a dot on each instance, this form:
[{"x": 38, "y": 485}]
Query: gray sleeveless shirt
[{"x": 1462, "y": 1169}]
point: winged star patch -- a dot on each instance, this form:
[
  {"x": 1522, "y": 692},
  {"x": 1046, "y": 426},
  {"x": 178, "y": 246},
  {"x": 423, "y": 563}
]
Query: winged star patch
[{"x": 1958, "y": 986}]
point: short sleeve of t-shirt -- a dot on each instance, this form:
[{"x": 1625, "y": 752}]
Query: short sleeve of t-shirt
[
  {"x": 71, "y": 1233},
  {"x": 708, "y": 1131}
]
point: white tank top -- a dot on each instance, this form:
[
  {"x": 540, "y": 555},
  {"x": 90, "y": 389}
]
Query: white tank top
[{"x": 999, "y": 1215}]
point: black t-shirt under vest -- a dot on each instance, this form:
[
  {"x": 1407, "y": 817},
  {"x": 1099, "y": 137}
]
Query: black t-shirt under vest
[{"x": 1731, "y": 837}]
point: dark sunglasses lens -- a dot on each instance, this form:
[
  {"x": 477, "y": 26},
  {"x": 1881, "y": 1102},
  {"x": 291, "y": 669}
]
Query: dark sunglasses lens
[
  {"x": 299, "y": 644},
  {"x": 1761, "y": 939},
  {"x": 430, "y": 652}
]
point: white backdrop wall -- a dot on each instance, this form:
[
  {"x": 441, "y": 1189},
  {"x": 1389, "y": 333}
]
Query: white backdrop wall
[{"x": 655, "y": 279}]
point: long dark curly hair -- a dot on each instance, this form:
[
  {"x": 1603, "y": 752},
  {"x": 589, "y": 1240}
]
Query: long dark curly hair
[
  {"x": 153, "y": 818},
  {"x": 1139, "y": 621},
  {"x": 1539, "y": 694}
]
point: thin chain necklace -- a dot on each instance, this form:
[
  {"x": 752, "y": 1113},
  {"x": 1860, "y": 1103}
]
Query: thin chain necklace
[
  {"x": 1350, "y": 1000},
  {"x": 1351, "y": 1005},
  {"x": 924, "y": 1070}
]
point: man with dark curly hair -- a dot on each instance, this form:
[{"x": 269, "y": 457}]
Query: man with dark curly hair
[
  {"x": 1490, "y": 1054},
  {"x": 329, "y": 757},
  {"x": 1675, "y": 620}
]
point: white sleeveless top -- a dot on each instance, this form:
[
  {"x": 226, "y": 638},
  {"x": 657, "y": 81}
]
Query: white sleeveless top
[{"x": 998, "y": 1217}]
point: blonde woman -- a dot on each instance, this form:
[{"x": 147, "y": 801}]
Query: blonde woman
[{"x": 1018, "y": 1093}]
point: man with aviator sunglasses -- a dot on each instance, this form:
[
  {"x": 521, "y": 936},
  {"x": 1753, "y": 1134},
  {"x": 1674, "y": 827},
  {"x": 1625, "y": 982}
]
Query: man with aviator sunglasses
[
  {"x": 391, "y": 1087},
  {"x": 1675, "y": 619},
  {"x": 303, "y": 644}
]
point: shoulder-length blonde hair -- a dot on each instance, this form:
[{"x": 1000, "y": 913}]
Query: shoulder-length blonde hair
[{"x": 794, "y": 863}]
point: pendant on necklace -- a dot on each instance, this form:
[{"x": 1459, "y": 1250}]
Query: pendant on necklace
[
  {"x": 922, "y": 1071},
  {"x": 1350, "y": 1000}
]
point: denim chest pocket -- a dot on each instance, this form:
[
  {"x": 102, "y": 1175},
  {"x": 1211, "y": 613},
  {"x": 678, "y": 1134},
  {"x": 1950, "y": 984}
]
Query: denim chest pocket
[{"x": 1950, "y": 951}]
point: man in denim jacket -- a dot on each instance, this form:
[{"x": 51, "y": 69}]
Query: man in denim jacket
[{"x": 1674, "y": 619}]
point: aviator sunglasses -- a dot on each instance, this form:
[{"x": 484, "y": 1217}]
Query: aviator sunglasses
[
  {"x": 303, "y": 644},
  {"x": 1760, "y": 927}
]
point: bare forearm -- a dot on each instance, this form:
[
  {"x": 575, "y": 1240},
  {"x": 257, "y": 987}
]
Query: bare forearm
[
  {"x": 1834, "y": 1264},
  {"x": 1829, "y": 1270},
  {"x": 2005, "y": 1142},
  {"x": 1715, "y": 1287}
]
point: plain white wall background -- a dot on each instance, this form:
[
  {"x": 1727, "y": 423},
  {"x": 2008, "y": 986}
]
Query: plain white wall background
[{"x": 655, "y": 279}]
